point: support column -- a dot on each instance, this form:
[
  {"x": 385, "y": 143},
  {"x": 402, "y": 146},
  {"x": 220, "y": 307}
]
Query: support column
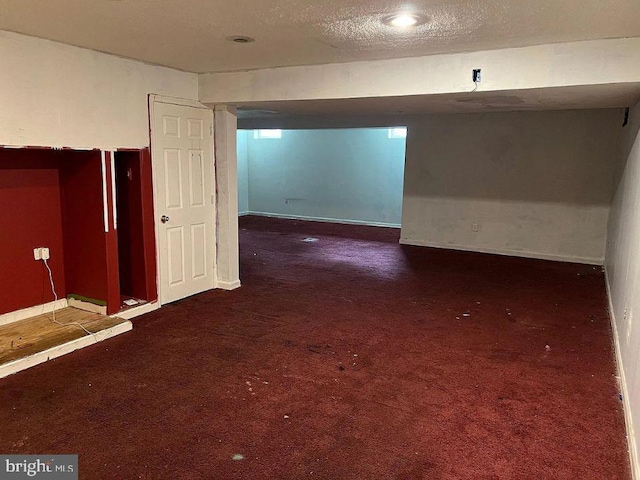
[{"x": 226, "y": 167}]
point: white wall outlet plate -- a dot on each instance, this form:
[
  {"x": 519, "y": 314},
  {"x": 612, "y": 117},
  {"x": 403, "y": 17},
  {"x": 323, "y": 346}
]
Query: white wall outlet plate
[{"x": 41, "y": 253}]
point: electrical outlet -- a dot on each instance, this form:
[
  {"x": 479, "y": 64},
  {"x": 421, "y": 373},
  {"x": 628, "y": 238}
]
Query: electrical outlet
[
  {"x": 475, "y": 227},
  {"x": 476, "y": 76},
  {"x": 41, "y": 253}
]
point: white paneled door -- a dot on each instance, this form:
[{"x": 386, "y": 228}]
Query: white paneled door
[{"x": 182, "y": 156}]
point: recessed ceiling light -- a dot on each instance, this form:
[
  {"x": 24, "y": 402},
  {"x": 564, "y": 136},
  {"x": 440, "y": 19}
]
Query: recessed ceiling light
[
  {"x": 240, "y": 39},
  {"x": 403, "y": 20}
]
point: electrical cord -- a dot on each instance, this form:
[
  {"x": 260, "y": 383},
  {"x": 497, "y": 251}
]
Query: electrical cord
[{"x": 55, "y": 296}]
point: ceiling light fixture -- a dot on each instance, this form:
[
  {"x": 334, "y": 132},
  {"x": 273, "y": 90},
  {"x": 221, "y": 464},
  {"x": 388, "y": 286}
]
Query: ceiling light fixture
[
  {"x": 240, "y": 39},
  {"x": 403, "y": 20}
]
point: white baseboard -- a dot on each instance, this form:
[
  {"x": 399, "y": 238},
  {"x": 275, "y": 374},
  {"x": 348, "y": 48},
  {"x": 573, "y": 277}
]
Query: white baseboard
[
  {"x": 622, "y": 382},
  {"x": 59, "y": 350},
  {"x": 323, "y": 219},
  {"x": 32, "y": 311},
  {"x": 228, "y": 285},
  {"x": 243, "y": 214},
  {"x": 130, "y": 313},
  {"x": 506, "y": 252},
  {"x": 87, "y": 306}
]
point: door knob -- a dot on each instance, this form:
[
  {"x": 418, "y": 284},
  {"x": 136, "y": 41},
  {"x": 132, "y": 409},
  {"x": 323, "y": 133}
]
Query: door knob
[{"x": 164, "y": 219}]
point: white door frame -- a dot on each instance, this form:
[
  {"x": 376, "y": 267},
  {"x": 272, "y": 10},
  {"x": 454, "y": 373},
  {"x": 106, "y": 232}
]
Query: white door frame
[{"x": 153, "y": 99}]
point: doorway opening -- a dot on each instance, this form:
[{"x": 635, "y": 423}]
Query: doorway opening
[
  {"x": 304, "y": 191},
  {"x": 343, "y": 175}
]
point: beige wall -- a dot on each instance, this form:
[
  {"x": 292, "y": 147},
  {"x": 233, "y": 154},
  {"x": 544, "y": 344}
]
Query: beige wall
[
  {"x": 596, "y": 62},
  {"x": 57, "y": 95},
  {"x": 623, "y": 272},
  {"x": 537, "y": 183}
]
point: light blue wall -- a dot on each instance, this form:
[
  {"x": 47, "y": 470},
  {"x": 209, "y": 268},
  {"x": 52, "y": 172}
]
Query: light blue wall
[
  {"x": 337, "y": 174},
  {"x": 243, "y": 173}
]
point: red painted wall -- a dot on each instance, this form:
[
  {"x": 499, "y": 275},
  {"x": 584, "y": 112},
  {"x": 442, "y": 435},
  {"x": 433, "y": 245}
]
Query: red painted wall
[
  {"x": 148, "y": 225},
  {"x": 51, "y": 198},
  {"x": 83, "y": 224},
  {"x": 111, "y": 243},
  {"x": 130, "y": 240},
  {"x": 136, "y": 236},
  {"x": 30, "y": 216}
]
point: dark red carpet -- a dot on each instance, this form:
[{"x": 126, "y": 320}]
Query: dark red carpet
[{"x": 349, "y": 357}]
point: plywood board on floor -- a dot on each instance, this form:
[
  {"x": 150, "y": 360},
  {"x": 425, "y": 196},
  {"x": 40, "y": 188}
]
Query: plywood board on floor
[{"x": 37, "y": 334}]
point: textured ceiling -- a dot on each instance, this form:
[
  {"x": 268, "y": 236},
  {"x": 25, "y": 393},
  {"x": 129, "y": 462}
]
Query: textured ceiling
[{"x": 190, "y": 34}]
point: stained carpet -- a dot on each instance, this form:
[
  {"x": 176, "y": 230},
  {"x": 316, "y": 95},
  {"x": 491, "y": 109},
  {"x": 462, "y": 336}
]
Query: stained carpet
[{"x": 343, "y": 356}]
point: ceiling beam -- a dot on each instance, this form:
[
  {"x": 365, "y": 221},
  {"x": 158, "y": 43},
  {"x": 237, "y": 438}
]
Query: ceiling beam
[{"x": 596, "y": 62}]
